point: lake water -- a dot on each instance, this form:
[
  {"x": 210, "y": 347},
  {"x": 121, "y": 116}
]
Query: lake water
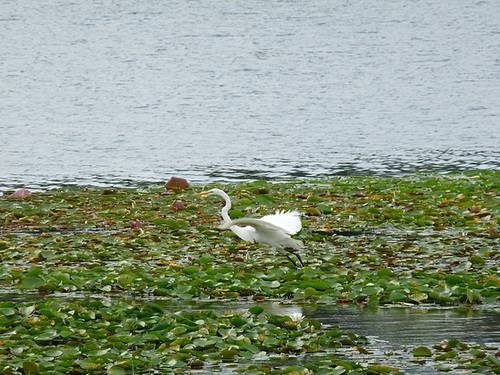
[{"x": 123, "y": 93}]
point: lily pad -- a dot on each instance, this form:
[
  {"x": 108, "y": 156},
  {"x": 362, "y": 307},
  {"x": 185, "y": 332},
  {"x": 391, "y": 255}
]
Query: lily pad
[
  {"x": 422, "y": 351},
  {"x": 417, "y": 239}
]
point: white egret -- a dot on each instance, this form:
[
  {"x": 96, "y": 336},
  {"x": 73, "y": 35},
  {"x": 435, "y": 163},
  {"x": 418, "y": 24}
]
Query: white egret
[{"x": 274, "y": 230}]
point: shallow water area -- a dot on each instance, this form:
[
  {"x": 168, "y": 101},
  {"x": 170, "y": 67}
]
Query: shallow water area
[
  {"x": 392, "y": 331},
  {"x": 76, "y": 264},
  {"x": 399, "y": 326}
]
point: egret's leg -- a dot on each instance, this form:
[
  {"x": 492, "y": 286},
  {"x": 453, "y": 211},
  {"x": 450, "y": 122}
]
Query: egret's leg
[
  {"x": 282, "y": 251},
  {"x": 298, "y": 257},
  {"x": 291, "y": 260}
]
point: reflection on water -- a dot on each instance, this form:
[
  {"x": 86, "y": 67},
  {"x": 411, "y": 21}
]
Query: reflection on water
[
  {"x": 402, "y": 327},
  {"x": 129, "y": 93},
  {"x": 387, "y": 328},
  {"x": 398, "y": 326}
]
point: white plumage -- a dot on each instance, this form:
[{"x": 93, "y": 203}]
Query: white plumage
[{"x": 275, "y": 230}]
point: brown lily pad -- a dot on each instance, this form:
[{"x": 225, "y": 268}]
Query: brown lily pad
[
  {"x": 177, "y": 183},
  {"x": 21, "y": 193},
  {"x": 178, "y": 205}
]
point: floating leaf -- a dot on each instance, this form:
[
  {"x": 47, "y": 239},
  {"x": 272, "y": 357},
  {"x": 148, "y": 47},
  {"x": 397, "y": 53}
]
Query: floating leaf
[
  {"x": 172, "y": 223},
  {"x": 494, "y": 360},
  {"x": 229, "y": 354},
  {"x": 54, "y": 353},
  {"x": 447, "y": 355},
  {"x": 31, "y": 368},
  {"x": 378, "y": 369},
  {"x": 476, "y": 259},
  {"x": 422, "y": 351},
  {"x": 7, "y": 311},
  {"x": 46, "y": 335},
  {"x": 418, "y": 296},
  {"x": 204, "y": 343},
  {"x": 397, "y": 295},
  {"x": 314, "y": 199},
  {"x": 250, "y": 347},
  {"x": 256, "y": 310},
  {"x": 310, "y": 292},
  {"x": 191, "y": 270}
]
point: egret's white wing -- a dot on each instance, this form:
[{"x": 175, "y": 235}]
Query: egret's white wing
[
  {"x": 289, "y": 221},
  {"x": 267, "y": 232},
  {"x": 254, "y": 229},
  {"x": 245, "y": 233}
]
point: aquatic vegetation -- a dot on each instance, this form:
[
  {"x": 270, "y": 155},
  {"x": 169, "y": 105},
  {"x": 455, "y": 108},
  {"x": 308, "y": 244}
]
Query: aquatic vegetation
[
  {"x": 421, "y": 239},
  {"x": 80, "y": 336}
]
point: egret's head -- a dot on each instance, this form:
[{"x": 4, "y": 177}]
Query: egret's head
[
  {"x": 211, "y": 192},
  {"x": 204, "y": 193}
]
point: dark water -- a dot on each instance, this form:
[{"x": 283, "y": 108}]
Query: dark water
[
  {"x": 124, "y": 93},
  {"x": 401, "y": 329}
]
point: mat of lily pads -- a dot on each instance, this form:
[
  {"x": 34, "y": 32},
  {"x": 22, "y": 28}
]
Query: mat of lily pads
[{"x": 417, "y": 239}]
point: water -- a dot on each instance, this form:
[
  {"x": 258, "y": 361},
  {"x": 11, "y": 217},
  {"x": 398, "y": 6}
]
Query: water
[
  {"x": 397, "y": 327},
  {"x": 131, "y": 92},
  {"x": 391, "y": 329},
  {"x": 394, "y": 329},
  {"x": 402, "y": 329}
]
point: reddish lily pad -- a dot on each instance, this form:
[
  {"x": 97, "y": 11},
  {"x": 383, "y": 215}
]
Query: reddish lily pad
[
  {"x": 21, "y": 193},
  {"x": 177, "y": 183}
]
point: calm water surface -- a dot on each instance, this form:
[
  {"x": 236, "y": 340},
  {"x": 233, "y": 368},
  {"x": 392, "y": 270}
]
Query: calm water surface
[{"x": 130, "y": 92}]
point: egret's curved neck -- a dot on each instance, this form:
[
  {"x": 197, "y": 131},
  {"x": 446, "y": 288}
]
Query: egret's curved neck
[{"x": 225, "y": 210}]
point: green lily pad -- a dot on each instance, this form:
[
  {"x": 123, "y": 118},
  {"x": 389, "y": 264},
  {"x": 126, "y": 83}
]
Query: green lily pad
[
  {"x": 419, "y": 239},
  {"x": 422, "y": 351},
  {"x": 31, "y": 368},
  {"x": 256, "y": 310}
]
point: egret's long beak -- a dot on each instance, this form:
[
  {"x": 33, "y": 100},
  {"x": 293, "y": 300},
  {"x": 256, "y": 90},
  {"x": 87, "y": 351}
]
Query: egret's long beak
[{"x": 202, "y": 193}]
